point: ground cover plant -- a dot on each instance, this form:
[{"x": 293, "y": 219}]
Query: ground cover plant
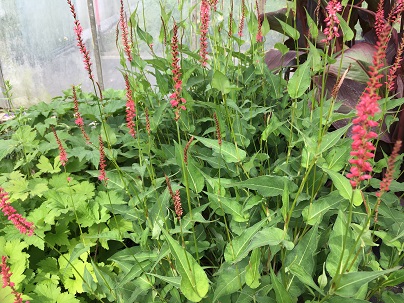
[{"x": 240, "y": 176}]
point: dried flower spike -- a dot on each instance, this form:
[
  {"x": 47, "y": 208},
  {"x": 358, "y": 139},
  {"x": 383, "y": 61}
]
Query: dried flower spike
[
  {"x": 175, "y": 197},
  {"x": 6, "y": 275},
  {"x": 125, "y": 36},
  {"x": 259, "y": 36},
  {"x": 242, "y": 19},
  {"x": 176, "y": 101},
  {"x": 218, "y": 132},
  {"x": 102, "y": 176},
  {"x": 18, "y": 221},
  {"x": 388, "y": 177},
  {"x": 80, "y": 43},
  {"x": 62, "y": 151},
  {"x": 130, "y": 108},
  {"x": 186, "y": 150}
]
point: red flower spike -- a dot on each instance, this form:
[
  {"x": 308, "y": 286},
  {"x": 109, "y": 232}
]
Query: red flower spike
[{"x": 24, "y": 226}]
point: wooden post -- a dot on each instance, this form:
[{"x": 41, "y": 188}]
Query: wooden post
[{"x": 94, "y": 35}]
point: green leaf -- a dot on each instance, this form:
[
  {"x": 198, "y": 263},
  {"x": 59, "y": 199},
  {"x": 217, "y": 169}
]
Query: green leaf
[
  {"x": 230, "y": 206},
  {"x": 289, "y": 30},
  {"x": 7, "y": 147},
  {"x": 221, "y": 83},
  {"x": 314, "y": 212},
  {"x": 194, "y": 282},
  {"x": 267, "y": 186},
  {"x": 336, "y": 244},
  {"x": 252, "y": 274},
  {"x": 144, "y": 36},
  {"x": 351, "y": 282},
  {"x": 313, "y": 29},
  {"x": 304, "y": 276},
  {"x": 332, "y": 138},
  {"x": 108, "y": 134},
  {"x": 271, "y": 236},
  {"x": 341, "y": 183},
  {"x": 174, "y": 281},
  {"x": 45, "y": 166},
  {"x": 347, "y": 33},
  {"x": 282, "y": 295},
  {"x": 240, "y": 243},
  {"x": 337, "y": 299},
  {"x": 300, "y": 81},
  {"x": 230, "y": 279},
  {"x": 229, "y": 152}
]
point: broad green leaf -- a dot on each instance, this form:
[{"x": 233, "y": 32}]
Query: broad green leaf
[
  {"x": 313, "y": 29},
  {"x": 337, "y": 299},
  {"x": 229, "y": 152},
  {"x": 108, "y": 134},
  {"x": 174, "y": 281},
  {"x": 267, "y": 186},
  {"x": 347, "y": 33},
  {"x": 330, "y": 139},
  {"x": 45, "y": 166},
  {"x": 271, "y": 236},
  {"x": 300, "y": 81},
  {"x": 341, "y": 183},
  {"x": 304, "y": 276},
  {"x": 145, "y": 36},
  {"x": 351, "y": 282},
  {"x": 390, "y": 297},
  {"x": 230, "y": 206},
  {"x": 302, "y": 253},
  {"x": 230, "y": 280},
  {"x": 194, "y": 282},
  {"x": 336, "y": 244},
  {"x": 282, "y": 295},
  {"x": 240, "y": 243},
  {"x": 314, "y": 212},
  {"x": 221, "y": 82},
  {"x": 252, "y": 275},
  {"x": 395, "y": 278},
  {"x": 289, "y": 30}
]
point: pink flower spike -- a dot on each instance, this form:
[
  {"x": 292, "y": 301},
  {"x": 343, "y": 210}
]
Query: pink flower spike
[
  {"x": 125, "y": 33},
  {"x": 80, "y": 43},
  {"x": 331, "y": 30},
  {"x": 6, "y": 275},
  {"x": 366, "y": 109},
  {"x": 204, "y": 28},
  {"x": 130, "y": 108},
  {"x": 24, "y": 226}
]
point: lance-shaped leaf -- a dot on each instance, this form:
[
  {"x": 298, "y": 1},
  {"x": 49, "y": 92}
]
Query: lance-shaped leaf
[
  {"x": 229, "y": 152},
  {"x": 194, "y": 282}
]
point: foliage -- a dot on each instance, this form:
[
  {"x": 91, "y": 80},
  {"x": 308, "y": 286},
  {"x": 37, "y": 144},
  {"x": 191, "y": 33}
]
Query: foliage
[{"x": 268, "y": 214}]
